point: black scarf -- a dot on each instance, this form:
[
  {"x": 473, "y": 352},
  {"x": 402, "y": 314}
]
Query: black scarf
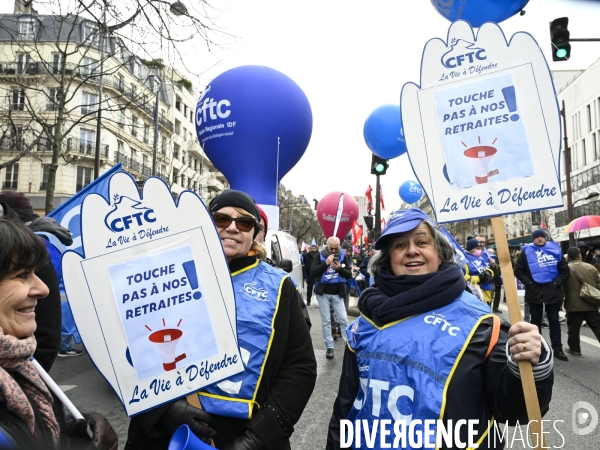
[{"x": 394, "y": 297}]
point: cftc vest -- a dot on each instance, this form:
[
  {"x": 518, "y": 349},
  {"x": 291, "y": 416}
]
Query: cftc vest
[
  {"x": 257, "y": 292},
  {"x": 331, "y": 276},
  {"x": 478, "y": 265},
  {"x": 406, "y": 366},
  {"x": 543, "y": 261}
]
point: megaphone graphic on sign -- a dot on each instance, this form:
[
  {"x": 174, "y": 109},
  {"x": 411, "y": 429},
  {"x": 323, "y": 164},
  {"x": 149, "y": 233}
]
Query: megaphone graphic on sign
[
  {"x": 166, "y": 340},
  {"x": 480, "y": 158},
  {"x": 184, "y": 439}
]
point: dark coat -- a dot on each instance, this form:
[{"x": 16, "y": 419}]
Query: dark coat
[
  {"x": 550, "y": 293},
  {"x": 287, "y": 383},
  {"x": 588, "y": 274},
  {"x": 318, "y": 269}
]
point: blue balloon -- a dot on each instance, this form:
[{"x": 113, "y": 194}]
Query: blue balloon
[
  {"x": 411, "y": 191},
  {"x": 479, "y": 12},
  {"x": 383, "y": 132},
  {"x": 254, "y": 124}
]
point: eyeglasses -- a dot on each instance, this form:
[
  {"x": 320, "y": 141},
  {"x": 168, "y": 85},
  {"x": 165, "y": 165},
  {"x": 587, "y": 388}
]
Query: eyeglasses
[
  {"x": 242, "y": 223},
  {"x": 333, "y": 249}
]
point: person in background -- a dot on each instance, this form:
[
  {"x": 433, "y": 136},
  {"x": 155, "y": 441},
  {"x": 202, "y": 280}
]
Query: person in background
[
  {"x": 281, "y": 370},
  {"x": 49, "y": 315},
  {"x": 263, "y": 226},
  {"x": 331, "y": 269},
  {"x": 310, "y": 280},
  {"x": 586, "y": 255},
  {"x": 364, "y": 267},
  {"x": 543, "y": 270},
  {"x": 579, "y": 310},
  {"x": 31, "y": 417},
  {"x": 395, "y": 349},
  {"x": 497, "y": 281},
  {"x": 479, "y": 269},
  {"x": 596, "y": 258}
]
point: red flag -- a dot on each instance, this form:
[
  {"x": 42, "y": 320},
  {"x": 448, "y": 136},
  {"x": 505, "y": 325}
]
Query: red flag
[
  {"x": 382, "y": 223},
  {"x": 543, "y": 225},
  {"x": 381, "y": 199},
  {"x": 356, "y": 232},
  {"x": 369, "y": 200},
  {"x": 366, "y": 240}
]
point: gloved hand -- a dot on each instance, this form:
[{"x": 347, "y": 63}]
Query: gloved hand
[
  {"x": 104, "y": 437},
  {"x": 248, "y": 441},
  {"x": 182, "y": 413},
  {"x": 485, "y": 277}
]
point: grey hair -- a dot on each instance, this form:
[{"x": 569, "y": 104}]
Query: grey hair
[
  {"x": 333, "y": 240},
  {"x": 442, "y": 245}
]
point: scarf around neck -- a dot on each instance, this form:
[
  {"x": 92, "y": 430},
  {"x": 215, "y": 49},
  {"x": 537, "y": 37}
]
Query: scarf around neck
[
  {"x": 394, "y": 297},
  {"x": 15, "y": 357}
]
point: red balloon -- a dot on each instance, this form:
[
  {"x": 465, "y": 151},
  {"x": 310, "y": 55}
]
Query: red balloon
[{"x": 327, "y": 211}]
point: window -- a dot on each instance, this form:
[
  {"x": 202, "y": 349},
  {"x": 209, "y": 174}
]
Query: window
[
  {"x": 195, "y": 164},
  {"x": 175, "y": 176},
  {"x": 589, "y": 115},
  {"x": 163, "y": 170},
  {"x": 120, "y": 149},
  {"x": 90, "y": 33},
  {"x": 87, "y": 138},
  {"x": 584, "y": 157},
  {"x": 137, "y": 69},
  {"x": 121, "y": 119},
  {"x": 178, "y": 103},
  {"x": 45, "y": 173},
  {"x": 133, "y": 91},
  {"x": 26, "y": 28},
  {"x": 11, "y": 177},
  {"x": 177, "y": 127},
  {"x": 18, "y": 99},
  {"x": 121, "y": 83},
  {"x": 23, "y": 62},
  {"x": 84, "y": 177},
  {"x": 163, "y": 145},
  {"x": 146, "y": 132},
  {"x": 134, "y": 125},
  {"x": 183, "y": 157},
  {"x": 145, "y": 160},
  {"x": 191, "y": 116},
  {"x": 89, "y": 103},
  {"x": 89, "y": 67},
  {"x": 176, "y": 151},
  {"x": 595, "y": 147},
  {"x": 182, "y": 184},
  {"x": 57, "y": 62},
  {"x": 53, "y": 99},
  {"x": 185, "y": 135}
]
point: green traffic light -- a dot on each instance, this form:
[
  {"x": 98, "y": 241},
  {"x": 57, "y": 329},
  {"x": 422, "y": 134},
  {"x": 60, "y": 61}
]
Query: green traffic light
[
  {"x": 561, "y": 53},
  {"x": 379, "y": 167}
]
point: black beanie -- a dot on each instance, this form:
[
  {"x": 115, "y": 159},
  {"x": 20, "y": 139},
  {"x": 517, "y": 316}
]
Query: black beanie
[
  {"x": 472, "y": 243},
  {"x": 235, "y": 199},
  {"x": 538, "y": 233}
]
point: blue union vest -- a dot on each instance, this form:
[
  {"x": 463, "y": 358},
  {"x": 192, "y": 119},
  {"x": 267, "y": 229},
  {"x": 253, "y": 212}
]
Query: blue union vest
[
  {"x": 330, "y": 276},
  {"x": 257, "y": 291},
  {"x": 543, "y": 261},
  {"x": 406, "y": 378},
  {"x": 477, "y": 265}
]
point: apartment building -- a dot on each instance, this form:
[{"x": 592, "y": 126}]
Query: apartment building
[{"x": 59, "y": 77}]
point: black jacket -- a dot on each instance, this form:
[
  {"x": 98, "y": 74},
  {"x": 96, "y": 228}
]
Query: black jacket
[
  {"x": 309, "y": 259},
  {"x": 541, "y": 292},
  {"x": 480, "y": 388},
  {"x": 318, "y": 269},
  {"x": 286, "y": 385}
]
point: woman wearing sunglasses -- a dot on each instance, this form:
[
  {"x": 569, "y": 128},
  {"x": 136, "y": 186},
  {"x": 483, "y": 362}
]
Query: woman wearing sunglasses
[{"x": 262, "y": 404}]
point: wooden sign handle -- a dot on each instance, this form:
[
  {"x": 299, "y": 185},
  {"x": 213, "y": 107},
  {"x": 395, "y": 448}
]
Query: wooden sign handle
[
  {"x": 514, "y": 313},
  {"x": 193, "y": 400}
]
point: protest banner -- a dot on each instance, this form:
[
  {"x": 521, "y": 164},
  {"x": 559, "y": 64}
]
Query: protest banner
[
  {"x": 151, "y": 293},
  {"x": 483, "y": 137}
]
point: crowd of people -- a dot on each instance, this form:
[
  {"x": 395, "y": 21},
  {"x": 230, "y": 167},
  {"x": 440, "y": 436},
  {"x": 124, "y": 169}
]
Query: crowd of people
[{"x": 426, "y": 344}]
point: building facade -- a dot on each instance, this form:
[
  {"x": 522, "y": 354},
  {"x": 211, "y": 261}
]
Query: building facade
[{"x": 59, "y": 77}]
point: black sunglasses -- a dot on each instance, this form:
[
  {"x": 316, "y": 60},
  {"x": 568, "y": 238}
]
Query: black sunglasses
[{"x": 242, "y": 223}]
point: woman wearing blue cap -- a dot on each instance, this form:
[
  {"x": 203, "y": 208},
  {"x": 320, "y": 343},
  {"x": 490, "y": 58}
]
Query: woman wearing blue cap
[{"x": 425, "y": 353}]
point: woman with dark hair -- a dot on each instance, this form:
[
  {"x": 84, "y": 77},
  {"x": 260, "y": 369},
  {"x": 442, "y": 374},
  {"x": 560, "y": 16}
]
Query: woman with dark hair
[
  {"x": 424, "y": 348},
  {"x": 30, "y": 416},
  {"x": 280, "y": 366}
]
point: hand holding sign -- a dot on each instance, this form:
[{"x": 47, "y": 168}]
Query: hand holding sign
[{"x": 149, "y": 291}]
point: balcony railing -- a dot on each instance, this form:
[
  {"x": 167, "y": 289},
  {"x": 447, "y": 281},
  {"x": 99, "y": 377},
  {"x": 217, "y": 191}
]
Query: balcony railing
[
  {"x": 134, "y": 165},
  {"x": 10, "y": 184},
  {"x": 21, "y": 68},
  {"x": 86, "y": 147},
  {"x": 121, "y": 158},
  {"x": 146, "y": 171},
  {"x": 165, "y": 123},
  {"x": 88, "y": 110}
]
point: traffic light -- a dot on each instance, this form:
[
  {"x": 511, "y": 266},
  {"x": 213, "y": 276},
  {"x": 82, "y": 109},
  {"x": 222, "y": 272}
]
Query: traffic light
[
  {"x": 378, "y": 165},
  {"x": 559, "y": 35}
]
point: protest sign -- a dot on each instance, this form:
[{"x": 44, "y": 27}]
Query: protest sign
[
  {"x": 483, "y": 128},
  {"x": 152, "y": 295}
]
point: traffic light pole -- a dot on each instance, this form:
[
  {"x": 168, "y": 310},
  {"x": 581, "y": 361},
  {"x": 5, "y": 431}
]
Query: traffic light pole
[
  {"x": 567, "y": 153},
  {"x": 377, "y": 209}
]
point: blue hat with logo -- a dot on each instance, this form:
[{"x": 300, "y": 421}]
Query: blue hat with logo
[{"x": 400, "y": 222}]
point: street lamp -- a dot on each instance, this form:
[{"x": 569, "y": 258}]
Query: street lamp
[{"x": 590, "y": 196}]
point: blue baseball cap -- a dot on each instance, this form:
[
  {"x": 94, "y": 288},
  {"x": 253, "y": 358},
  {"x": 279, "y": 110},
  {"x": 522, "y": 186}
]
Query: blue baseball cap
[{"x": 400, "y": 222}]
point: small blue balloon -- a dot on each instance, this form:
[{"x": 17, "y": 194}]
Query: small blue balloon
[
  {"x": 254, "y": 123},
  {"x": 383, "y": 132},
  {"x": 479, "y": 12},
  {"x": 411, "y": 191}
]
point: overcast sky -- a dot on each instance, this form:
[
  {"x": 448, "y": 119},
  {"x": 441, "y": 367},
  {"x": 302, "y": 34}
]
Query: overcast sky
[{"x": 351, "y": 57}]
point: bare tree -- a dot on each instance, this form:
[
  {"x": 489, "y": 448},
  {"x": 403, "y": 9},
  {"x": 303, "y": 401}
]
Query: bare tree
[
  {"x": 295, "y": 210},
  {"x": 63, "y": 70}
]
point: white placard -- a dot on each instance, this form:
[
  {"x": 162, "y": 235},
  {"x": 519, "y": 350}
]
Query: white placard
[
  {"x": 152, "y": 296},
  {"x": 483, "y": 128}
]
